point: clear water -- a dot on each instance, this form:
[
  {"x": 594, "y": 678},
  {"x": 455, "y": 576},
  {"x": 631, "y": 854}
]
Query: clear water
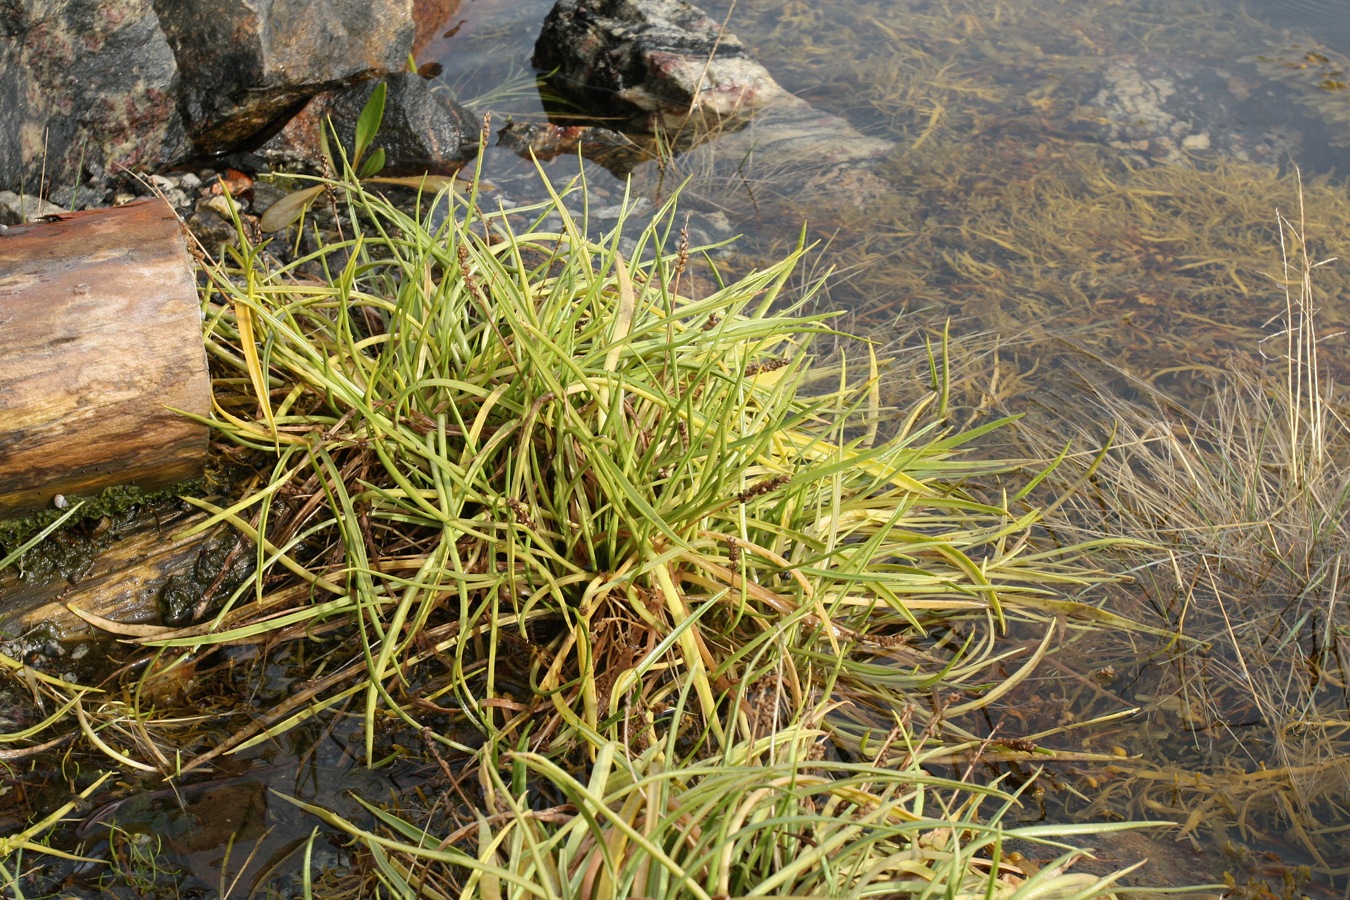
[{"x": 1027, "y": 137}]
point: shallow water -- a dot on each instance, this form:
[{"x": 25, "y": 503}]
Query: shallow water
[
  {"x": 1089, "y": 193},
  {"x": 1106, "y": 174},
  {"x": 1325, "y": 18}
]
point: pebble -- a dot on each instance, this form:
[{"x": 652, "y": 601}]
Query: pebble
[
  {"x": 16, "y": 209},
  {"x": 225, "y": 207},
  {"x": 1196, "y": 141}
]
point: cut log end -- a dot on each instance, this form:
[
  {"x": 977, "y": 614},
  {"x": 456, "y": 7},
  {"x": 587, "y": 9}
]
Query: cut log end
[{"x": 101, "y": 355}]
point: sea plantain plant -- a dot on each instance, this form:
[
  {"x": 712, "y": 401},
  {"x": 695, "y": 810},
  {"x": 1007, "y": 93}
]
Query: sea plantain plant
[
  {"x": 565, "y": 515},
  {"x": 365, "y": 160},
  {"x": 629, "y": 487}
]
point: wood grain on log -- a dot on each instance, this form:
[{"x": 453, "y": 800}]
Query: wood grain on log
[
  {"x": 100, "y": 344},
  {"x": 123, "y": 581}
]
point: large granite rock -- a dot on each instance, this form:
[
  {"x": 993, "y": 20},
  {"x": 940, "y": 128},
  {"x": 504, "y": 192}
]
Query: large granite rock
[
  {"x": 664, "y": 58},
  {"x": 247, "y": 64},
  {"x": 89, "y": 85},
  {"x": 84, "y": 85}
]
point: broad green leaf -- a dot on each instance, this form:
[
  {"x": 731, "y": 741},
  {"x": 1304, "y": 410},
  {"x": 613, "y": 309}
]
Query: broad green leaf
[
  {"x": 372, "y": 165},
  {"x": 369, "y": 122}
]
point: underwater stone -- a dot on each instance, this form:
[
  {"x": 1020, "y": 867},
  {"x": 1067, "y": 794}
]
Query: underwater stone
[{"x": 1165, "y": 109}]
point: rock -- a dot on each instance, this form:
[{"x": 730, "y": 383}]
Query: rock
[
  {"x": 96, "y": 86},
  {"x": 547, "y": 140},
  {"x": 423, "y": 130},
  {"x": 1167, "y": 110},
  {"x": 16, "y": 209},
  {"x": 84, "y": 86},
  {"x": 430, "y": 17},
  {"x": 247, "y": 64},
  {"x": 665, "y": 58},
  {"x": 212, "y": 232},
  {"x": 675, "y": 66}
]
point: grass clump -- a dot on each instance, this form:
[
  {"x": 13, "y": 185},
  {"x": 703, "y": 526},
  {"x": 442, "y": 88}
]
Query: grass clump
[
  {"x": 576, "y": 526},
  {"x": 530, "y": 459},
  {"x": 593, "y": 539}
]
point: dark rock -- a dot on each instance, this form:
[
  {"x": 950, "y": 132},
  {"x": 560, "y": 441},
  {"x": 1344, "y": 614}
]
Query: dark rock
[
  {"x": 665, "y": 58},
  {"x": 547, "y": 140},
  {"x": 86, "y": 85},
  {"x": 212, "y": 231},
  {"x": 673, "y": 63},
  {"x": 423, "y": 130},
  {"x": 247, "y": 64}
]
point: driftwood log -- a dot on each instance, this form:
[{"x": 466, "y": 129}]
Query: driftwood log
[
  {"x": 100, "y": 350},
  {"x": 140, "y": 571}
]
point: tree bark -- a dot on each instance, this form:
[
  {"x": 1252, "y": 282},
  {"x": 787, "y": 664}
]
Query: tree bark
[{"x": 100, "y": 350}]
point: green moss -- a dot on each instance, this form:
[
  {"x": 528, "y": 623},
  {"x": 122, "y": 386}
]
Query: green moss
[
  {"x": 72, "y": 549},
  {"x": 112, "y": 501}
]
